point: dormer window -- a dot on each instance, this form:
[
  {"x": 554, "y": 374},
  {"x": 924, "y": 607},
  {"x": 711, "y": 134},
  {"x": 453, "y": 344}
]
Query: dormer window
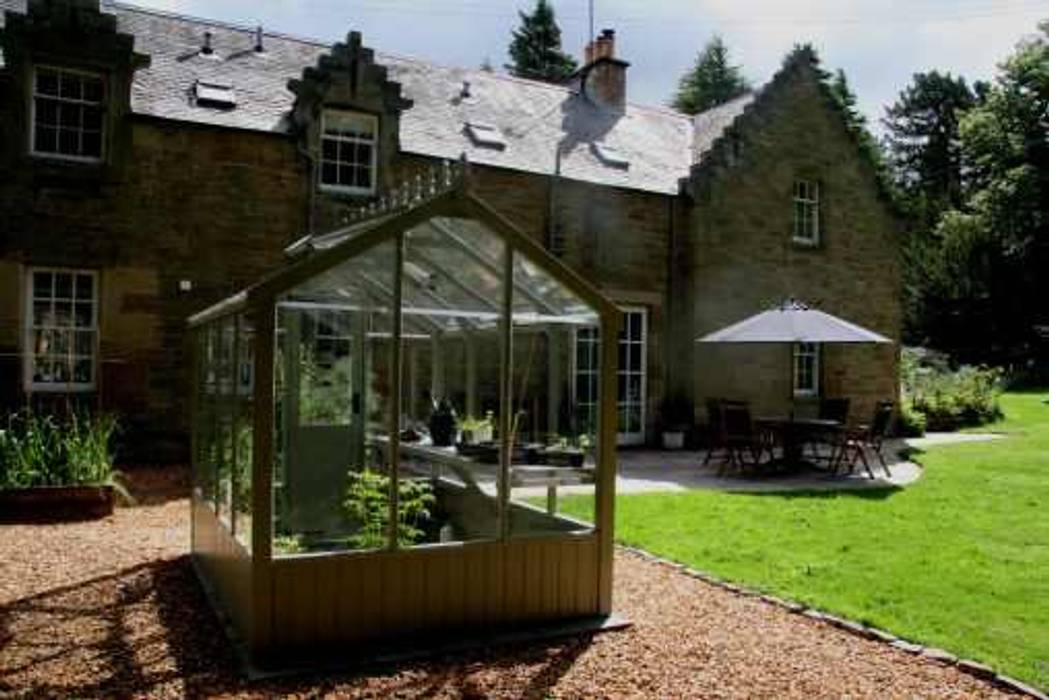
[
  {"x": 68, "y": 114},
  {"x": 348, "y": 152},
  {"x": 485, "y": 135},
  {"x": 211, "y": 94}
]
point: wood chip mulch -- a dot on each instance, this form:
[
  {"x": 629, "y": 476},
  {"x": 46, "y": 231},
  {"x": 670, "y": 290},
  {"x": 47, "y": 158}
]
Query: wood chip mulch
[{"x": 112, "y": 609}]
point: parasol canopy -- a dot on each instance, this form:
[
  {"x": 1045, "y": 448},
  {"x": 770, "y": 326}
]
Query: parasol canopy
[{"x": 793, "y": 322}]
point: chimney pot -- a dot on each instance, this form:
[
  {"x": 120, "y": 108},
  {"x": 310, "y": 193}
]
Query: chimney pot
[
  {"x": 259, "y": 47},
  {"x": 605, "y": 77},
  {"x": 206, "y": 49}
]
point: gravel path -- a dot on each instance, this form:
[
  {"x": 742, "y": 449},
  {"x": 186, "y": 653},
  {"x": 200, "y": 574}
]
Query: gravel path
[{"x": 111, "y": 609}]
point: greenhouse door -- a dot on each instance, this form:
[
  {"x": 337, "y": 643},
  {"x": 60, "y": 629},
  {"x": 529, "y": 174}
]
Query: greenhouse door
[{"x": 631, "y": 390}]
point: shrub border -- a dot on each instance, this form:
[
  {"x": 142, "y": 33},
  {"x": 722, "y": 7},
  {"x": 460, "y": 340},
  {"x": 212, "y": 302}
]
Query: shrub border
[{"x": 969, "y": 666}]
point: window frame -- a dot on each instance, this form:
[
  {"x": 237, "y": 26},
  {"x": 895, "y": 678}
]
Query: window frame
[
  {"x": 28, "y": 327},
  {"x": 815, "y": 187},
  {"x": 373, "y": 165},
  {"x": 800, "y": 350},
  {"x": 102, "y": 104}
]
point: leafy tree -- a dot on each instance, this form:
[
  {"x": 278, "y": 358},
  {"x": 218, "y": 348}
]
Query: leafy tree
[
  {"x": 536, "y": 47},
  {"x": 710, "y": 82},
  {"x": 990, "y": 300}
]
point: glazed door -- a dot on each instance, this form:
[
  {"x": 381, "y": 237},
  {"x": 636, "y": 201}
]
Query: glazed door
[
  {"x": 631, "y": 380},
  {"x": 633, "y": 351}
]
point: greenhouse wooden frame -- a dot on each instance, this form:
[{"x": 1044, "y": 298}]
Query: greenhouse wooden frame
[{"x": 351, "y": 606}]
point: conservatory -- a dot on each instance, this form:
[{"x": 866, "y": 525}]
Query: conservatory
[{"x": 402, "y": 438}]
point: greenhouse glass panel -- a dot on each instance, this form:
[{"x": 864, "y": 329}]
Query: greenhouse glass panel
[
  {"x": 334, "y": 337},
  {"x": 224, "y": 416},
  {"x": 451, "y": 287},
  {"x": 205, "y": 441},
  {"x": 244, "y": 429},
  {"x": 554, "y": 427}
]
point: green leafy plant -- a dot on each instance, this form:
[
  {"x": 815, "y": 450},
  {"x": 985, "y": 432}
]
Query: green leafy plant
[
  {"x": 477, "y": 429},
  {"x": 949, "y": 398},
  {"x": 39, "y": 450},
  {"x": 911, "y": 423},
  {"x": 288, "y": 544},
  {"x": 367, "y": 502}
]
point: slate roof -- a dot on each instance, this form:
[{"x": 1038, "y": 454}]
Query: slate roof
[{"x": 534, "y": 118}]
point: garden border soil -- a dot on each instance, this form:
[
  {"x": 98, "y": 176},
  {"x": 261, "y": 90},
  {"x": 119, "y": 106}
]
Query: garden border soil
[{"x": 56, "y": 504}]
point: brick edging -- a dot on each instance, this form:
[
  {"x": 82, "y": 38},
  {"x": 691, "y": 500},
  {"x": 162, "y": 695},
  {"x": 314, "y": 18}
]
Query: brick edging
[{"x": 973, "y": 668}]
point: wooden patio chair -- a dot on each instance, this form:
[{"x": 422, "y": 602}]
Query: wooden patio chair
[
  {"x": 867, "y": 438},
  {"x": 837, "y": 410},
  {"x": 717, "y": 449},
  {"x": 715, "y": 444},
  {"x": 743, "y": 443}
]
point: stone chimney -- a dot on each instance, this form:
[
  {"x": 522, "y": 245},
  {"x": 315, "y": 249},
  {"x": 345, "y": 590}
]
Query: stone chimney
[{"x": 604, "y": 75}]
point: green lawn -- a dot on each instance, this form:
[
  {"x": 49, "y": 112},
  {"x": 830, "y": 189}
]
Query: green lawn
[{"x": 959, "y": 560}]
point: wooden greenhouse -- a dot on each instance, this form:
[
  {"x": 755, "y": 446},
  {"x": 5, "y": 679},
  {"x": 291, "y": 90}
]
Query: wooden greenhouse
[{"x": 402, "y": 438}]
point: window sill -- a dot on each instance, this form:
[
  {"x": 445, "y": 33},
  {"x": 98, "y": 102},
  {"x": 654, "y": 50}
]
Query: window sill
[
  {"x": 806, "y": 243},
  {"x": 61, "y": 158},
  {"x": 346, "y": 191},
  {"x": 60, "y": 388}
]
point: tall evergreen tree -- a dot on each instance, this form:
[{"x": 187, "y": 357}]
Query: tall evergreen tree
[
  {"x": 535, "y": 49},
  {"x": 710, "y": 82},
  {"x": 924, "y": 141}
]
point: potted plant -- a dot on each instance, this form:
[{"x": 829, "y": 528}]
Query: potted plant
[
  {"x": 676, "y": 417},
  {"x": 475, "y": 431},
  {"x": 442, "y": 423},
  {"x": 566, "y": 452}
]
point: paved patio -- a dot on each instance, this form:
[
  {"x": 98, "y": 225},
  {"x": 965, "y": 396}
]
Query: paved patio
[{"x": 658, "y": 470}]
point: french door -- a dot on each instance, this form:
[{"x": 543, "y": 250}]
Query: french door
[
  {"x": 631, "y": 381},
  {"x": 633, "y": 351}
]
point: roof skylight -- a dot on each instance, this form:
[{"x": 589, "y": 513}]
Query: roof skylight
[
  {"x": 485, "y": 135},
  {"x": 611, "y": 156},
  {"x": 211, "y": 94}
]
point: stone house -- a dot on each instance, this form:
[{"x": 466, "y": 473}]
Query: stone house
[{"x": 151, "y": 164}]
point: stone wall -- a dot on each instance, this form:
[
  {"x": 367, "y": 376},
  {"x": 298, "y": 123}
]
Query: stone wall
[
  {"x": 739, "y": 257},
  {"x": 209, "y": 206}
]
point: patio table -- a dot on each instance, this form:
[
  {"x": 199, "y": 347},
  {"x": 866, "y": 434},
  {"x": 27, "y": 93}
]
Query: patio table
[{"x": 792, "y": 433}]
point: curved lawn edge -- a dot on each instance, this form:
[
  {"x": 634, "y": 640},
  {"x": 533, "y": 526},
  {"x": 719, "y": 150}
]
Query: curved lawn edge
[{"x": 955, "y": 560}]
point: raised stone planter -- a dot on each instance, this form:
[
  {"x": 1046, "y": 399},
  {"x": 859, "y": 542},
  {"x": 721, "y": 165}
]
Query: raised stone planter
[{"x": 47, "y": 504}]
